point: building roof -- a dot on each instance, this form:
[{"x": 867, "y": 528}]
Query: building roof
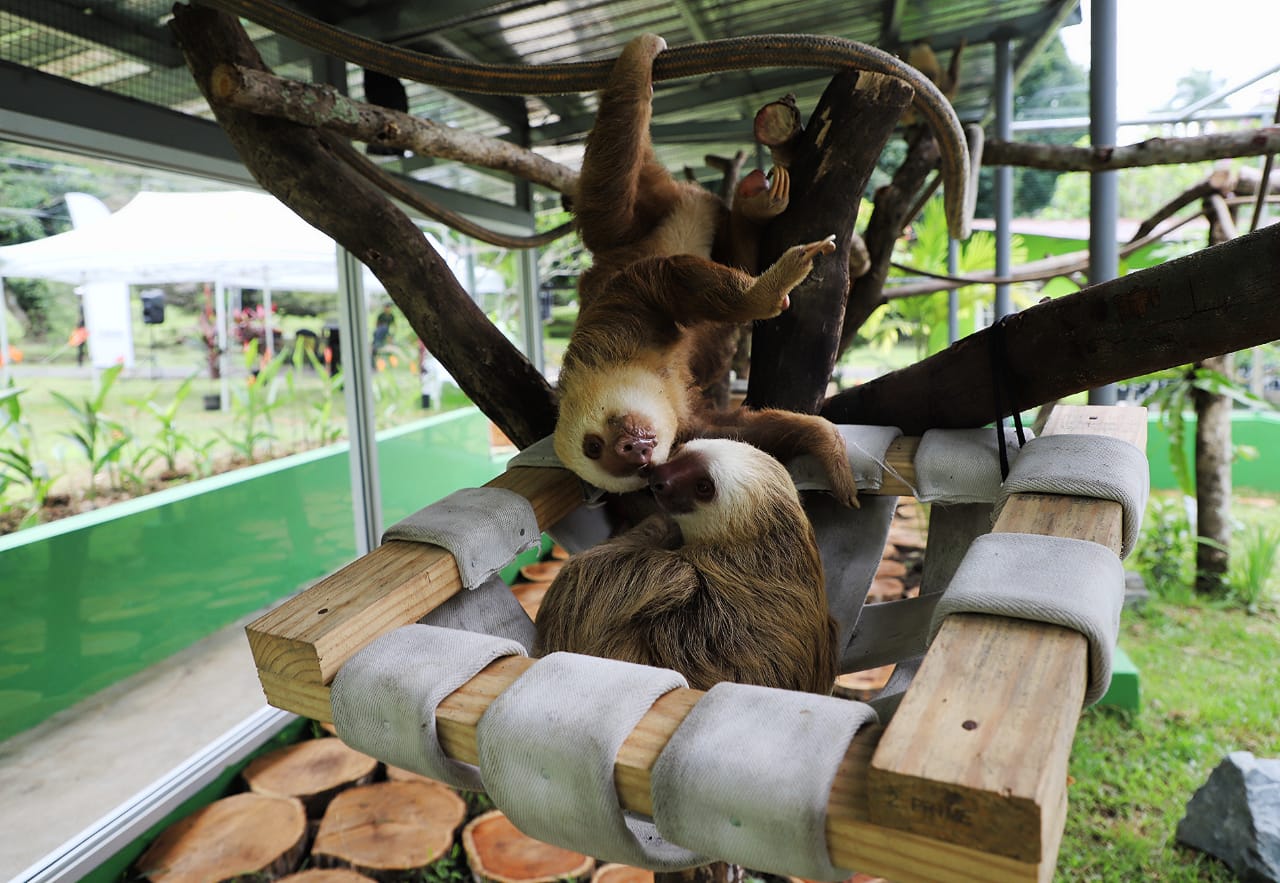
[{"x": 113, "y": 65}]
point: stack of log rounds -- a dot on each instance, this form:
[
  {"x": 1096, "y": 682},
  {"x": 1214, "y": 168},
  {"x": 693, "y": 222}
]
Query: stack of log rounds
[
  {"x": 616, "y": 873},
  {"x": 241, "y": 835},
  {"x": 312, "y": 771},
  {"x": 499, "y": 853},
  {"x": 389, "y": 828},
  {"x": 530, "y": 596},
  {"x": 326, "y": 875}
]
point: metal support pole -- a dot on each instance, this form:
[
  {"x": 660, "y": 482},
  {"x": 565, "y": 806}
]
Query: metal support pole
[
  {"x": 353, "y": 333},
  {"x": 531, "y": 308},
  {"x": 1004, "y": 175},
  {"x": 1104, "y": 256},
  {"x": 220, "y": 316},
  {"x": 4, "y": 337}
]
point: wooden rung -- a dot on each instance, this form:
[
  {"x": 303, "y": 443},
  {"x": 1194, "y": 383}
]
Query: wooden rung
[
  {"x": 853, "y": 840},
  {"x": 299, "y": 646},
  {"x": 977, "y": 752}
]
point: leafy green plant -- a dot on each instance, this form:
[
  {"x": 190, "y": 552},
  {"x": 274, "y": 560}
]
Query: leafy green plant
[
  {"x": 1253, "y": 565},
  {"x": 170, "y": 441},
  {"x": 18, "y": 461},
  {"x": 100, "y": 438},
  {"x": 449, "y": 868},
  {"x": 253, "y": 405},
  {"x": 320, "y": 427},
  {"x": 1165, "y": 555},
  {"x": 923, "y": 318},
  {"x": 1172, "y": 400}
]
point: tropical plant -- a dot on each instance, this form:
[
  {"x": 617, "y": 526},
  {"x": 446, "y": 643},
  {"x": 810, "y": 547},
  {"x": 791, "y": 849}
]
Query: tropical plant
[
  {"x": 100, "y": 438},
  {"x": 170, "y": 441},
  {"x": 923, "y": 318},
  {"x": 254, "y": 404},
  {"x": 1165, "y": 553},
  {"x": 1172, "y": 402},
  {"x": 18, "y": 461},
  {"x": 1253, "y": 565}
]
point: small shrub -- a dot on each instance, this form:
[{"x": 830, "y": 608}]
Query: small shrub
[
  {"x": 1253, "y": 561},
  {"x": 1165, "y": 555}
]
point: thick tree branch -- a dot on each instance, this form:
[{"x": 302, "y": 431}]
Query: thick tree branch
[
  {"x": 310, "y": 171},
  {"x": 1152, "y": 152},
  {"x": 793, "y": 354},
  {"x": 324, "y": 107},
  {"x": 1218, "y": 300},
  {"x": 893, "y": 204}
]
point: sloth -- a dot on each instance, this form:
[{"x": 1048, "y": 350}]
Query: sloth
[
  {"x": 658, "y": 316},
  {"x": 724, "y": 584}
]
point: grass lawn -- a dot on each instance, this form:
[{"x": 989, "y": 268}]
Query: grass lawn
[{"x": 1206, "y": 672}]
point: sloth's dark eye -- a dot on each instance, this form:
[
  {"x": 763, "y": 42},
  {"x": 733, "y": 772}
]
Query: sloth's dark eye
[
  {"x": 704, "y": 489},
  {"x": 593, "y": 447}
]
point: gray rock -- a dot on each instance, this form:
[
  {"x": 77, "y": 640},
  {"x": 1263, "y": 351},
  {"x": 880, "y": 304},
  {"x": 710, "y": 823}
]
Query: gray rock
[{"x": 1235, "y": 816}]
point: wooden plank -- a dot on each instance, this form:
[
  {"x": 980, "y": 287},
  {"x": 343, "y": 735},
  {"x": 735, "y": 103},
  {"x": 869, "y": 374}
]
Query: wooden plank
[
  {"x": 977, "y": 752},
  {"x": 853, "y": 840},
  {"x": 300, "y": 645}
]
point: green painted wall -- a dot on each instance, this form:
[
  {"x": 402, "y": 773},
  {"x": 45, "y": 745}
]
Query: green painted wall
[
  {"x": 1260, "y": 431},
  {"x": 92, "y": 599}
]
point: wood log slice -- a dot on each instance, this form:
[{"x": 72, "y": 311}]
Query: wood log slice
[
  {"x": 614, "y": 872},
  {"x": 541, "y": 571},
  {"x": 890, "y": 568},
  {"x": 390, "y": 828},
  {"x": 326, "y": 875},
  {"x": 530, "y": 596},
  {"x": 498, "y": 852},
  {"x": 559, "y": 553},
  {"x": 312, "y": 771},
  {"x": 236, "y": 836}
]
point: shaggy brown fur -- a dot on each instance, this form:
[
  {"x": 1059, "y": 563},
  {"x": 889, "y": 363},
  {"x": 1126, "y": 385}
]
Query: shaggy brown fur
[
  {"x": 727, "y": 586},
  {"x": 657, "y": 318}
]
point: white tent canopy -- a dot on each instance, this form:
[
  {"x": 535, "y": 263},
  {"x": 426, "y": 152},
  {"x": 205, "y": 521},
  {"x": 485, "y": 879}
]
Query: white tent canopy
[{"x": 237, "y": 238}]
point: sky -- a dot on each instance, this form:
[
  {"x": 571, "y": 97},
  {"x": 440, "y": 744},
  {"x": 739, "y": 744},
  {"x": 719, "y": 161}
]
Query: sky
[{"x": 1162, "y": 40}]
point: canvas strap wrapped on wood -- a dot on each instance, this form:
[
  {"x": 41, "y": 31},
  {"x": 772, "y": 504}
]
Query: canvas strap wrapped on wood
[
  {"x": 960, "y": 465},
  {"x": 747, "y": 776},
  {"x": 384, "y": 697},
  {"x": 1095, "y": 466},
  {"x": 1072, "y": 583},
  {"x": 547, "y": 746},
  {"x": 483, "y": 528}
]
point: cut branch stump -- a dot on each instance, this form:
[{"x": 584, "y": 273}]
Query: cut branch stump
[
  {"x": 389, "y": 829},
  {"x": 233, "y": 837},
  {"x": 313, "y": 771},
  {"x": 499, "y": 852}
]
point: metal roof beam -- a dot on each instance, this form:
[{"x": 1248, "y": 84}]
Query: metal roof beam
[{"x": 152, "y": 44}]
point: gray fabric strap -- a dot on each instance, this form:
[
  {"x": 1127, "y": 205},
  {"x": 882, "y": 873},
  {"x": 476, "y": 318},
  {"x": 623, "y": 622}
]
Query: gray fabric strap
[
  {"x": 490, "y": 609},
  {"x": 1096, "y": 466},
  {"x": 1072, "y": 583},
  {"x": 483, "y": 528},
  {"x": 851, "y": 542},
  {"x": 961, "y": 465},
  {"x": 865, "y": 446},
  {"x": 747, "y": 776},
  {"x": 547, "y": 747},
  {"x": 384, "y": 698}
]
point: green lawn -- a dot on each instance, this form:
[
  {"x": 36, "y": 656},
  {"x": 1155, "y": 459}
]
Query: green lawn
[
  {"x": 1205, "y": 670},
  {"x": 1202, "y": 672}
]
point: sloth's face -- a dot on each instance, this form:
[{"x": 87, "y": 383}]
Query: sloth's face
[{"x": 612, "y": 448}]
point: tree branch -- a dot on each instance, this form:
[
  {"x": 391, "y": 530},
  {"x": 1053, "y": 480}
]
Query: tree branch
[
  {"x": 792, "y": 355},
  {"x": 1218, "y": 300},
  {"x": 310, "y": 171},
  {"x": 1152, "y": 152}
]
